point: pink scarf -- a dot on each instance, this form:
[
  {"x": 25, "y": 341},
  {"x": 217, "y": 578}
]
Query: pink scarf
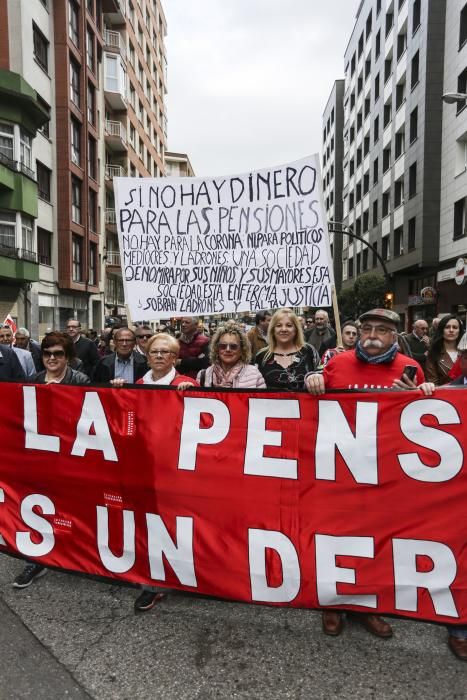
[{"x": 225, "y": 379}]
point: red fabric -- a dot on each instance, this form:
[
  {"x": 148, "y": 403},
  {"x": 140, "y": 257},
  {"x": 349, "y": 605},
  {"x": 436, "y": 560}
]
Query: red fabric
[
  {"x": 178, "y": 379},
  {"x": 197, "y": 346},
  {"x": 455, "y": 370},
  {"x": 226, "y": 507},
  {"x": 346, "y": 371}
]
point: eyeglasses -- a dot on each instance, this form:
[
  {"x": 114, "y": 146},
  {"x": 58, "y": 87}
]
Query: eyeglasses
[
  {"x": 162, "y": 353},
  {"x": 140, "y": 337},
  {"x": 54, "y": 353},
  {"x": 379, "y": 330},
  {"x": 228, "y": 346}
]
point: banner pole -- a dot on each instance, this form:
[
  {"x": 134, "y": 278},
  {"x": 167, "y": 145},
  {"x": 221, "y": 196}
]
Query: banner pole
[{"x": 337, "y": 320}]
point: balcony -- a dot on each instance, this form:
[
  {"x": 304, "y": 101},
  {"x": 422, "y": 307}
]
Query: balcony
[
  {"x": 113, "y": 41},
  {"x": 115, "y": 10},
  {"x": 115, "y": 81},
  {"x": 18, "y": 264},
  {"x": 111, "y": 218},
  {"x": 115, "y": 136},
  {"x": 112, "y": 259},
  {"x": 112, "y": 171}
]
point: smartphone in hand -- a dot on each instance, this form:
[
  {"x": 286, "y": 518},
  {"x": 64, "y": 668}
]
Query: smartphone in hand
[{"x": 410, "y": 372}]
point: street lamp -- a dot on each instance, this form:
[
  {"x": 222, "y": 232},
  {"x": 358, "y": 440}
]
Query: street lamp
[
  {"x": 348, "y": 232},
  {"x": 452, "y": 97}
]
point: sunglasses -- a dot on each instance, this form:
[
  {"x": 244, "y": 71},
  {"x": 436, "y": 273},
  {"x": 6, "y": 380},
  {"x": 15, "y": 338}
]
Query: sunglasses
[
  {"x": 228, "y": 346},
  {"x": 146, "y": 337},
  {"x": 55, "y": 353}
]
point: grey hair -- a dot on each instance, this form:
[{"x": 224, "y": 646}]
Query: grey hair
[{"x": 24, "y": 331}]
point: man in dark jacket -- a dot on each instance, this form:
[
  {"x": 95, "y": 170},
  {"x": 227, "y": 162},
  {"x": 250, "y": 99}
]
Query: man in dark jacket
[
  {"x": 24, "y": 341},
  {"x": 123, "y": 364},
  {"x": 419, "y": 341},
  {"x": 320, "y": 333},
  {"x": 194, "y": 350},
  {"x": 85, "y": 349},
  {"x": 10, "y": 366}
]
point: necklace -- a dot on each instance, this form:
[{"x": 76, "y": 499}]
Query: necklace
[{"x": 285, "y": 354}]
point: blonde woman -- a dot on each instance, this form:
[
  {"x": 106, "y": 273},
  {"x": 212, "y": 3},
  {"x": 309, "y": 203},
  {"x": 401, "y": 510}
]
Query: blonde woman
[
  {"x": 287, "y": 359},
  {"x": 230, "y": 357}
]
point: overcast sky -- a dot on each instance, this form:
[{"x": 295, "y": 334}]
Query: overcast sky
[{"x": 248, "y": 80}]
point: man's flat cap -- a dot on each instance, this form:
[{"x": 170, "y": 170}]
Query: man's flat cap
[{"x": 381, "y": 315}]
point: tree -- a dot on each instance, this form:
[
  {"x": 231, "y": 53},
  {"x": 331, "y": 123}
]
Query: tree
[{"x": 368, "y": 292}]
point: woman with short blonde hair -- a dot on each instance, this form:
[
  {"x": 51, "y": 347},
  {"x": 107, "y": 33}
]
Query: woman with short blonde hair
[{"x": 287, "y": 358}]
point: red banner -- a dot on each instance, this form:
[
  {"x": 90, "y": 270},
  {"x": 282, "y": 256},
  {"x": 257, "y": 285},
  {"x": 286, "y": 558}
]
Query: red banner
[{"x": 354, "y": 499}]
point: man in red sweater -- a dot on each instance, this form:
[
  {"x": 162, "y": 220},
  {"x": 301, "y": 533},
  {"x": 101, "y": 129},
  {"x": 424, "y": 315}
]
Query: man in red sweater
[
  {"x": 376, "y": 363},
  {"x": 194, "y": 348}
]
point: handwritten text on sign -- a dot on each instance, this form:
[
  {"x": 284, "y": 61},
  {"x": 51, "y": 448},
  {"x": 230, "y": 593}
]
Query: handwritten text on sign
[{"x": 247, "y": 242}]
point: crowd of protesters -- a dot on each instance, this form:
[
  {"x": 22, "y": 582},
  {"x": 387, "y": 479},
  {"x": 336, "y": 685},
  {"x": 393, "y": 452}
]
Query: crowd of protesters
[{"x": 282, "y": 352}]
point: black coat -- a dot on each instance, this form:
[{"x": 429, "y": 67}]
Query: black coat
[
  {"x": 458, "y": 382},
  {"x": 86, "y": 351},
  {"x": 105, "y": 370},
  {"x": 10, "y": 366},
  {"x": 72, "y": 376}
]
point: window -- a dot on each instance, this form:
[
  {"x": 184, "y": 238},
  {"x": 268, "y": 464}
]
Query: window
[
  {"x": 385, "y": 204},
  {"x": 141, "y": 149},
  {"x": 377, "y": 87},
  {"x": 413, "y": 180},
  {"x": 400, "y": 95},
  {"x": 375, "y": 171},
  {"x": 7, "y": 149},
  {"x": 366, "y": 145},
  {"x": 358, "y": 263},
  {"x": 76, "y": 200},
  {"x": 413, "y": 127},
  {"x": 90, "y": 7},
  {"x": 40, "y": 48},
  {"x": 359, "y": 121},
  {"x": 75, "y": 142},
  {"x": 376, "y": 130},
  {"x": 387, "y": 116},
  {"x": 401, "y": 44},
  {"x": 385, "y": 248},
  {"x": 399, "y": 144},
  {"x": 74, "y": 82},
  {"x": 414, "y": 70},
  {"x": 140, "y": 36},
  {"x": 77, "y": 259},
  {"x": 398, "y": 193},
  {"x": 44, "y": 129},
  {"x": 91, "y": 104},
  {"x": 352, "y": 65},
  {"x": 461, "y": 87},
  {"x": 27, "y": 237},
  {"x": 375, "y": 213},
  {"x": 361, "y": 43},
  {"x": 44, "y": 246},
  {"x": 367, "y": 68},
  {"x": 368, "y": 24},
  {"x": 365, "y": 259},
  {"x": 92, "y": 264},
  {"x": 378, "y": 7},
  {"x": 366, "y": 183},
  {"x": 131, "y": 13},
  {"x": 358, "y": 194},
  {"x": 459, "y": 219},
  {"x": 131, "y": 52},
  {"x": 416, "y": 14},
  {"x": 386, "y": 159},
  {"x": 90, "y": 51},
  {"x": 351, "y": 167},
  {"x": 377, "y": 44},
  {"x": 367, "y": 107},
  {"x": 92, "y": 159},
  {"x": 389, "y": 22},
  {"x": 73, "y": 22},
  {"x": 463, "y": 27},
  {"x": 92, "y": 211},
  {"x": 43, "y": 181},
  {"x": 140, "y": 74},
  {"x": 359, "y": 156},
  {"x": 411, "y": 233},
  {"x": 7, "y": 230},
  {"x": 387, "y": 69},
  {"x": 133, "y": 136},
  {"x": 26, "y": 150},
  {"x": 398, "y": 241},
  {"x": 350, "y": 267},
  {"x": 351, "y": 201}
]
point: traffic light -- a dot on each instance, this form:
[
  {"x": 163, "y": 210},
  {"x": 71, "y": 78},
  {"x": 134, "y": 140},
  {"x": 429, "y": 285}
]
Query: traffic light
[{"x": 388, "y": 300}]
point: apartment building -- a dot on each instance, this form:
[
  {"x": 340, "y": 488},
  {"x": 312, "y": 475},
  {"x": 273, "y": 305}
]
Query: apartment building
[
  {"x": 178, "y": 165},
  {"x": 99, "y": 72},
  {"x": 332, "y": 171},
  {"x": 135, "y": 119},
  {"x": 392, "y": 143},
  {"x": 452, "y": 275},
  {"x": 26, "y": 161}
]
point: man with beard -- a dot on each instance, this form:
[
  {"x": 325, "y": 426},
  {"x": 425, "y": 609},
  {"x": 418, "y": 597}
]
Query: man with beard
[{"x": 376, "y": 363}]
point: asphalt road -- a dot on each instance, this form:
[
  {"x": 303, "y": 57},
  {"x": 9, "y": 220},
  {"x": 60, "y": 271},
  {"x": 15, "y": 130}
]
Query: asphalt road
[{"x": 72, "y": 637}]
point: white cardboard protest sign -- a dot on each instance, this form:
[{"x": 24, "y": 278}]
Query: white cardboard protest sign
[{"x": 192, "y": 246}]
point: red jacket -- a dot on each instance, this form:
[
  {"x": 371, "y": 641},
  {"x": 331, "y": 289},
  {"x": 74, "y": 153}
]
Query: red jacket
[
  {"x": 346, "y": 371},
  {"x": 178, "y": 379},
  {"x": 194, "y": 355}
]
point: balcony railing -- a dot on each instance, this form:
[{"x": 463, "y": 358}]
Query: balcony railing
[
  {"x": 110, "y": 217},
  {"x": 113, "y": 258},
  {"x": 116, "y": 129},
  {"x": 8, "y": 251},
  {"x": 112, "y": 171},
  {"x": 27, "y": 171},
  {"x": 28, "y": 255},
  {"x": 9, "y": 162},
  {"x": 114, "y": 40}
]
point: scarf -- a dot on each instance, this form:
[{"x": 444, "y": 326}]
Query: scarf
[
  {"x": 225, "y": 379},
  {"x": 384, "y": 358}
]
